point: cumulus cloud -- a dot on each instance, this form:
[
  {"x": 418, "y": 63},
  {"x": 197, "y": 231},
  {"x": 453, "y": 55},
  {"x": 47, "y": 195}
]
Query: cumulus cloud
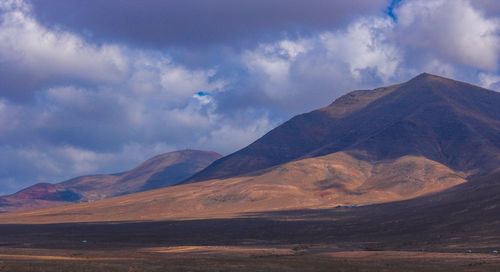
[
  {"x": 452, "y": 31},
  {"x": 490, "y": 81},
  {"x": 364, "y": 46},
  {"x": 299, "y": 74},
  {"x": 33, "y": 56},
  {"x": 271, "y": 65}
]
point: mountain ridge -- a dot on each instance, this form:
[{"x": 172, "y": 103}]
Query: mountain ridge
[
  {"x": 361, "y": 122},
  {"x": 157, "y": 172},
  {"x": 384, "y": 145}
]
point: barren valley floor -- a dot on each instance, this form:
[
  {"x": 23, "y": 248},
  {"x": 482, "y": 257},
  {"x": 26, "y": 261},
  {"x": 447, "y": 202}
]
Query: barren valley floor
[
  {"x": 343, "y": 239},
  {"x": 265, "y": 259}
]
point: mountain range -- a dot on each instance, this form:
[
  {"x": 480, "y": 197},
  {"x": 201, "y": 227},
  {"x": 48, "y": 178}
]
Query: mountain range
[
  {"x": 428, "y": 137},
  {"x": 160, "y": 171}
]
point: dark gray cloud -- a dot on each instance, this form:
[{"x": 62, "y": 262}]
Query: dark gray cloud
[
  {"x": 199, "y": 23},
  {"x": 488, "y": 7}
]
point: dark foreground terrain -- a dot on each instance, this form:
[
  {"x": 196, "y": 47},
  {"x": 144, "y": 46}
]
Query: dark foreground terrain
[
  {"x": 342, "y": 239},
  {"x": 263, "y": 260}
]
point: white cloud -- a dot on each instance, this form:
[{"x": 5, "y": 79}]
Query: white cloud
[
  {"x": 228, "y": 138},
  {"x": 45, "y": 54},
  {"x": 14, "y": 5},
  {"x": 364, "y": 46},
  {"x": 271, "y": 64},
  {"x": 490, "y": 81},
  {"x": 453, "y": 31},
  {"x": 300, "y": 74}
]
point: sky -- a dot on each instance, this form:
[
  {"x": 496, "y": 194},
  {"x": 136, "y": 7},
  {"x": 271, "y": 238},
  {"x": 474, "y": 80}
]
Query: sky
[{"x": 99, "y": 86}]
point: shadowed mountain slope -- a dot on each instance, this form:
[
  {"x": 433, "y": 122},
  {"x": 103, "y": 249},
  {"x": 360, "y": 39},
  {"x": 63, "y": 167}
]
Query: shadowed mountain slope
[
  {"x": 450, "y": 122},
  {"x": 160, "y": 171}
]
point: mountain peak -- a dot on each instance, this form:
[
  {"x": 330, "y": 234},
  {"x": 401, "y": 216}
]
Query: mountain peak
[
  {"x": 447, "y": 121},
  {"x": 426, "y": 77}
]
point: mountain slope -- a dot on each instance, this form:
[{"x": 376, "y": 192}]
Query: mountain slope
[
  {"x": 160, "y": 171},
  {"x": 321, "y": 182},
  {"x": 450, "y": 122}
]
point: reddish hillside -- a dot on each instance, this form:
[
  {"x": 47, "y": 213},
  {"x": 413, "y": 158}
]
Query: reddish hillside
[{"x": 161, "y": 171}]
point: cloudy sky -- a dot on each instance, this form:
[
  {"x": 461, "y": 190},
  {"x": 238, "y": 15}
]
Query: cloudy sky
[{"x": 98, "y": 86}]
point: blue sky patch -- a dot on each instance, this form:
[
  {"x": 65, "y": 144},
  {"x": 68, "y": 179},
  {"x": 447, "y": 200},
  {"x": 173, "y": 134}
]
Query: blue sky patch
[{"x": 390, "y": 9}]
